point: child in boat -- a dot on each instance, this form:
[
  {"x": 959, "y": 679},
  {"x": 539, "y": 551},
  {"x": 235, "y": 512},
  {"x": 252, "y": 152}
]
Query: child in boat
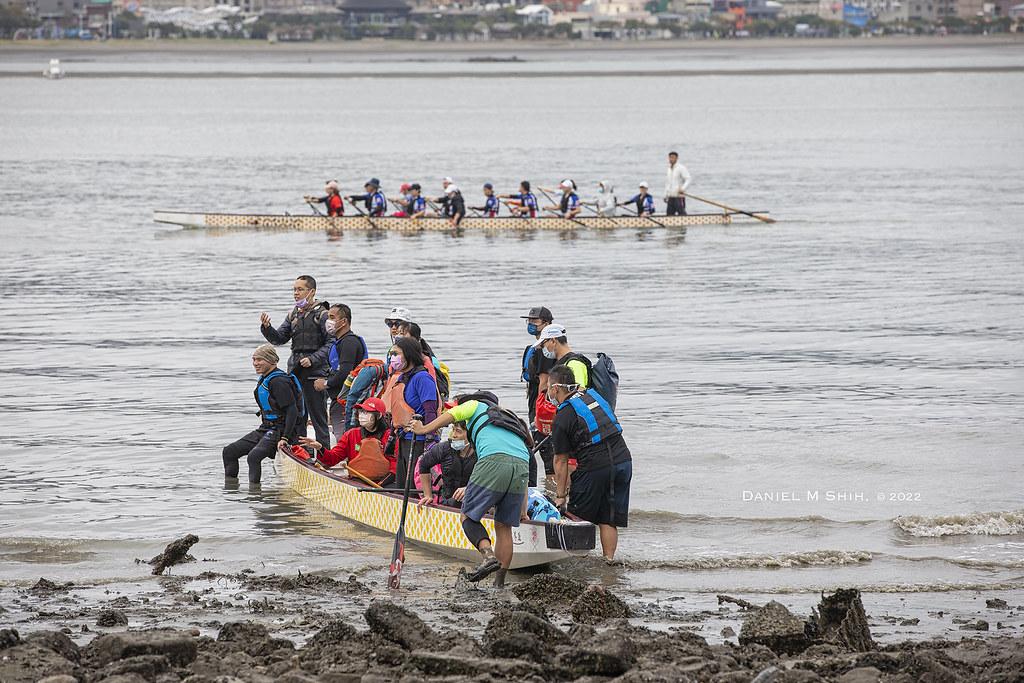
[
  {"x": 457, "y": 460},
  {"x": 363, "y": 446}
]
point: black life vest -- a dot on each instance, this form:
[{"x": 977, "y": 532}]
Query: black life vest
[
  {"x": 265, "y": 399},
  {"x": 307, "y": 328},
  {"x": 495, "y": 416},
  {"x": 596, "y": 413},
  {"x": 335, "y": 360}
]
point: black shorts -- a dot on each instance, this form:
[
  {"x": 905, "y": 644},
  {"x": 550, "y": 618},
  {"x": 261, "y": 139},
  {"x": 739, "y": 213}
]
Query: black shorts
[{"x": 602, "y": 496}]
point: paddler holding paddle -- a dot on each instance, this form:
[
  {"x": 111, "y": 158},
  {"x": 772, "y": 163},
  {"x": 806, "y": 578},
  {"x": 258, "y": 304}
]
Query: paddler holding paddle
[
  {"x": 522, "y": 204},
  {"x": 499, "y": 479},
  {"x": 569, "y": 206},
  {"x": 335, "y": 204},
  {"x": 374, "y": 200},
  {"x": 643, "y": 200}
]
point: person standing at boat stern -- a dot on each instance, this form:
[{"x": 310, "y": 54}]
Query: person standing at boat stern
[
  {"x": 412, "y": 391},
  {"x": 677, "y": 181},
  {"x": 280, "y": 400},
  {"x": 499, "y": 479},
  {"x": 586, "y": 429},
  {"x": 536, "y": 367},
  {"x": 347, "y": 351},
  {"x": 306, "y": 328}
]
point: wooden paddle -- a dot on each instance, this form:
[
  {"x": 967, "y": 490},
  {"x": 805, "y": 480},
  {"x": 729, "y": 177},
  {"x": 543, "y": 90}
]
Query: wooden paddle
[
  {"x": 398, "y": 552},
  {"x": 315, "y": 210},
  {"x": 763, "y": 219},
  {"x": 626, "y": 206},
  {"x": 363, "y": 213},
  {"x": 369, "y": 481}
]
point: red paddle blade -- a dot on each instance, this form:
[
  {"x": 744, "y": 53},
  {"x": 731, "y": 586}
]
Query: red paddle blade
[{"x": 395, "y": 571}]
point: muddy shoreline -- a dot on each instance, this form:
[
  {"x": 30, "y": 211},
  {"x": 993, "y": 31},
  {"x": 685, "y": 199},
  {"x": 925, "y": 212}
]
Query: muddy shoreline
[{"x": 201, "y": 625}]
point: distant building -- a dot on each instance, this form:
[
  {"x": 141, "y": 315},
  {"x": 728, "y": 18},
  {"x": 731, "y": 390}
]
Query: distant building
[
  {"x": 385, "y": 14},
  {"x": 540, "y": 15},
  {"x": 931, "y": 10}
]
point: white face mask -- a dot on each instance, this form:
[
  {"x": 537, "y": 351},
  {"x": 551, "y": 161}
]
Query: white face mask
[
  {"x": 331, "y": 326},
  {"x": 367, "y": 420},
  {"x": 547, "y": 354}
]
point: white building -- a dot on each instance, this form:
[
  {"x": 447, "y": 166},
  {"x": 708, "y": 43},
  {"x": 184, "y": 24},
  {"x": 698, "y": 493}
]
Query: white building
[{"x": 536, "y": 14}]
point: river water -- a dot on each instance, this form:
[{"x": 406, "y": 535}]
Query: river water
[{"x": 860, "y": 361}]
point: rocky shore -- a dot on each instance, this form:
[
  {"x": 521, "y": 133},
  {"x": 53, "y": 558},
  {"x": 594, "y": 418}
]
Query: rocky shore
[{"x": 548, "y": 628}]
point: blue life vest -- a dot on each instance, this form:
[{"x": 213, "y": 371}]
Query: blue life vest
[
  {"x": 378, "y": 204},
  {"x": 335, "y": 361},
  {"x": 527, "y": 358},
  {"x": 596, "y": 413},
  {"x": 263, "y": 396},
  {"x": 491, "y": 207},
  {"x": 417, "y": 204}
]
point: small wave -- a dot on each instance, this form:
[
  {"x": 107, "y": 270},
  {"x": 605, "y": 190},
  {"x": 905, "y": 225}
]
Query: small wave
[
  {"x": 973, "y": 524},
  {"x": 668, "y": 516},
  {"x": 815, "y": 558}
]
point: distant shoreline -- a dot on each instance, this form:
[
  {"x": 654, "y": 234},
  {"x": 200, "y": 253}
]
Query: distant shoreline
[{"x": 212, "y": 47}]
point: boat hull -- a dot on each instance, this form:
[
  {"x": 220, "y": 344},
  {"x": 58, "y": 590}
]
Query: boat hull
[
  {"x": 434, "y": 527},
  {"x": 340, "y": 224}
]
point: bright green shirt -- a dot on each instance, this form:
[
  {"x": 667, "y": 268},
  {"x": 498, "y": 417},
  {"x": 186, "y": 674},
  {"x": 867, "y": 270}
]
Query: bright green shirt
[
  {"x": 579, "y": 371},
  {"x": 489, "y": 440}
]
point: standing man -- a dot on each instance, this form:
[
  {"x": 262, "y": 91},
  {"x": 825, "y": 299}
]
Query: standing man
[
  {"x": 555, "y": 346},
  {"x": 499, "y": 479},
  {"x": 280, "y": 400},
  {"x": 536, "y": 367},
  {"x": 586, "y": 429},
  {"x": 306, "y": 328},
  {"x": 677, "y": 181},
  {"x": 348, "y": 350}
]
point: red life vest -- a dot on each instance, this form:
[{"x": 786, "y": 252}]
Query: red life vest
[{"x": 335, "y": 205}]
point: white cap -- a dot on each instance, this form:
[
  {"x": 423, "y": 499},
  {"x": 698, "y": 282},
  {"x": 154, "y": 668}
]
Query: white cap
[
  {"x": 644, "y": 184},
  {"x": 552, "y": 331},
  {"x": 447, "y": 179},
  {"x": 332, "y": 184},
  {"x": 399, "y": 313},
  {"x": 452, "y": 188},
  {"x": 567, "y": 184}
]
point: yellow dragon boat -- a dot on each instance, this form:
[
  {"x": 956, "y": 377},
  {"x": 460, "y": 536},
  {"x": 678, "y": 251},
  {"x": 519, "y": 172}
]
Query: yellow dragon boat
[
  {"x": 435, "y": 527},
  {"x": 340, "y": 224}
]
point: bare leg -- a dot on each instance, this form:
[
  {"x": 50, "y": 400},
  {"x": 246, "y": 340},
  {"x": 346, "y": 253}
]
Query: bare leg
[
  {"x": 503, "y": 544},
  {"x": 609, "y": 540}
]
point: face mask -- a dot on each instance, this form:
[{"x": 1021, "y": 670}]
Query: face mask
[
  {"x": 397, "y": 363},
  {"x": 458, "y": 444},
  {"x": 532, "y": 329},
  {"x": 331, "y": 326},
  {"x": 547, "y": 353},
  {"x": 552, "y": 400},
  {"x": 367, "y": 420},
  {"x": 301, "y": 303}
]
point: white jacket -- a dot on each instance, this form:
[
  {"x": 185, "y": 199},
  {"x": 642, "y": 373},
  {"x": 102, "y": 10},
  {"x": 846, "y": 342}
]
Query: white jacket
[{"x": 677, "y": 179}]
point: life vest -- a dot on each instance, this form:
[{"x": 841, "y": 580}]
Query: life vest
[
  {"x": 529, "y": 201},
  {"x": 335, "y": 205},
  {"x": 416, "y": 204},
  {"x": 596, "y": 413},
  {"x": 377, "y": 203},
  {"x": 265, "y": 401},
  {"x": 333, "y": 357},
  {"x": 527, "y": 359},
  {"x": 644, "y": 204},
  {"x": 491, "y": 207},
  {"x": 369, "y": 459},
  {"x": 569, "y": 202},
  {"x": 495, "y": 416},
  {"x": 307, "y": 328},
  {"x": 394, "y": 396},
  {"x": 544, "y": 414}
]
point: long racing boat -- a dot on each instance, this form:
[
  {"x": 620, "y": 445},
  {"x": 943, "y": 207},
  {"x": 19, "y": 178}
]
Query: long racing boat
[
  {"x": 339, "y": 224},
  {"x": 435, "y": 527}
]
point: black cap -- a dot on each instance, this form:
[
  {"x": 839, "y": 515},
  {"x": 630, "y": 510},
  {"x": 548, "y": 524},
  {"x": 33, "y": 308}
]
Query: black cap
[
  {"x": 539, "y": 312},
  {"x": 488, "y": 186}
]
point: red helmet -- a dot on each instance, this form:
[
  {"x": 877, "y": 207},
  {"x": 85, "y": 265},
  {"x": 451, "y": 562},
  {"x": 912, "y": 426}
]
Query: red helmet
[{"x": 373, "y": 404}]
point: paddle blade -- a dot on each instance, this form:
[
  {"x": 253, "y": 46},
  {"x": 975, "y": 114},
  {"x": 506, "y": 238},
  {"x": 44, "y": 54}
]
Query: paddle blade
[{"x": 395, "y": 570}]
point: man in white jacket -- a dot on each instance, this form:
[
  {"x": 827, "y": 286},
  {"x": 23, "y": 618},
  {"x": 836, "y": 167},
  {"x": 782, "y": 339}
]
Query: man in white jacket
[{"x": 677, "y": 181}]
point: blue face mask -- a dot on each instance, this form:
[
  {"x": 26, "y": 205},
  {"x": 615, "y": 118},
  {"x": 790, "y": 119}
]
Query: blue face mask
[
  {"x": 531, "y": 328},
  {"x": 458, "y": 444}
]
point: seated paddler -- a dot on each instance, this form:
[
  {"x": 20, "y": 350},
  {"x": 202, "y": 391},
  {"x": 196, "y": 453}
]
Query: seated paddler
[
  {"x": 457, "y": 459},
  {"x": 362, "y": 447},
  {"x": 332, "y": 199}
]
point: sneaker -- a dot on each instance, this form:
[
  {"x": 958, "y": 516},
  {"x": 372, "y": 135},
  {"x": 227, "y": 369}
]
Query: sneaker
[{"x": 486, "y": 568}]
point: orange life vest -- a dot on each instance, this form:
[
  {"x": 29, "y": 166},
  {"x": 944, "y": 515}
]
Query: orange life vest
[
  {"x": 394, "y": 398},
  {"x": 369, "y": 459}
]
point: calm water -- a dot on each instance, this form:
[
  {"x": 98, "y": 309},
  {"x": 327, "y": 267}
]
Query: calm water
[{"x": 868, "y": 345}]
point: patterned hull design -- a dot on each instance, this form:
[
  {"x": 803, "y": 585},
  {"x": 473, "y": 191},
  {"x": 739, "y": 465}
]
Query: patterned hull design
[{"x": 434, "y": 527}]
